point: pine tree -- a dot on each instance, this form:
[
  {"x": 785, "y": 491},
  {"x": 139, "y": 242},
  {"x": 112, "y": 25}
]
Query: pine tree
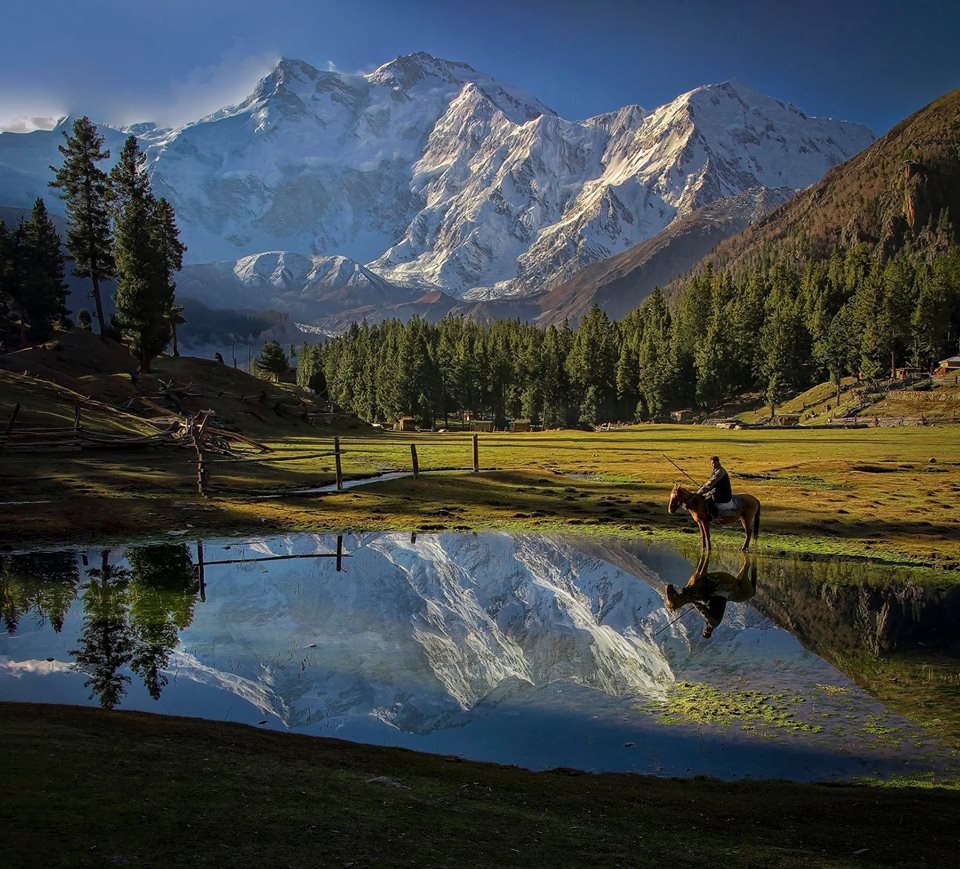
[
  {"x": 689, "y": 326},
  {"x": 11, "y": 274},
  {"x": 784, "y": 341},
  {"x": 272, "y": 360},
  {"x": 85, "y": 188},
  {"x": 591, "y": 366},
  {"x": 556, "y": 389},
  {"x": 166, "y": 238},
  {"x": 144, "y": 297},
  {"x": 42, "y": 290},
  {"x": 838, "y": 351},
  {"x": 6, "y": 269},
  {"x": 655, "y": 357}
]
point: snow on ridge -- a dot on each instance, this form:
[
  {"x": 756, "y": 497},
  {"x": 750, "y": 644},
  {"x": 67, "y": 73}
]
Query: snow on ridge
[{"x": 433, "y": 174}]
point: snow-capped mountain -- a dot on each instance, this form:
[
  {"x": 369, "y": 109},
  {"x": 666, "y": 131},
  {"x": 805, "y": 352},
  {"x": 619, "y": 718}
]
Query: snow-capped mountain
[
  {"x": 437, "y": 176},
  {"x": 621, "y": 282},
  {"x": 308, "y": 288}
]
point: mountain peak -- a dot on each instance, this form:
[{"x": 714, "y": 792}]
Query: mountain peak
[
  {"x": 287, "y": 73},
  {"x": 407, "y": 70}
]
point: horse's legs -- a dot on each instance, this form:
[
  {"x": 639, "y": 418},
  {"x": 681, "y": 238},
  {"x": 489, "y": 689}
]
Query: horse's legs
[
  {"x": 746, "y": 530},
  {"x": 705, "y": 535}
]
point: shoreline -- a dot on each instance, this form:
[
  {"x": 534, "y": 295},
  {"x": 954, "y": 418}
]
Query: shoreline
[{"x": 206, "y": 518}]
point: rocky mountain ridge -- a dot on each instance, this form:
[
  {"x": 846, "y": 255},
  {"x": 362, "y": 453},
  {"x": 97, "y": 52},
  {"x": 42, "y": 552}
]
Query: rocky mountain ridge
[{"x": 438, "y": 177}]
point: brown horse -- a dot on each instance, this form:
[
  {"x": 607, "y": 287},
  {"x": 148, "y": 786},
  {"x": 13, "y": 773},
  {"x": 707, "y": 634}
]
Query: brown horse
[{"x": 748, "y": 513}]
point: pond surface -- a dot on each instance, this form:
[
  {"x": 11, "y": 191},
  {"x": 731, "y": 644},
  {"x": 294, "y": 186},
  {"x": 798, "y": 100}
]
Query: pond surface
[{"x": 537, "y": 651}]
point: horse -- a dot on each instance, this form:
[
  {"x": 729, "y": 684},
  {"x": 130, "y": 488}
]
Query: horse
[{"x": 748, "y": 513}]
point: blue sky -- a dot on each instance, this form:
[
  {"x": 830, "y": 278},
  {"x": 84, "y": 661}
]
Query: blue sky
[{"x": 174, "y": 60}]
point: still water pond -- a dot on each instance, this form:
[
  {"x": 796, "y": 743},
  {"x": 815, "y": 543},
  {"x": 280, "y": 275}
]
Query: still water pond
[{"x": 542, "y": 652}]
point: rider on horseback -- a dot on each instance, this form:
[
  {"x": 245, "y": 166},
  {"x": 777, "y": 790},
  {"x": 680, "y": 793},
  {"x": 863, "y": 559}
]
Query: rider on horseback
[{"x": 717, "y": 489}]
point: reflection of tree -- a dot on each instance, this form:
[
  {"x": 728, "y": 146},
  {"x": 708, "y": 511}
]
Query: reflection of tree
[
  {"x": 162, "y": 595},
  {"x": 134, "y": 616},
  {"x": 106, "y": 642},
  {"x": 45, "y": 582}
]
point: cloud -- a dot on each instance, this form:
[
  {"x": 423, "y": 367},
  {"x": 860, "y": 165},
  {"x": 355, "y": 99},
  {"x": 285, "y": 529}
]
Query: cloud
[
  {"x": 33, "y": 668},
  {"x": 208, "y": 88},
  {"x": 29, "y": 124}
]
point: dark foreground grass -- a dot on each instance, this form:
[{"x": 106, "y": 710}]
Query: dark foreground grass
[{"x": 82, "y": 787}]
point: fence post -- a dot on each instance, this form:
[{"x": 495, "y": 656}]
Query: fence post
[
  {"x": 200, "y": 576},
  {"x": 476, "y": 453},
  {"x": 201, "y": 459},
  {"x": 416, "y": 464},
  {"x": 336, "y": 454},
  {"x": 13, "y": 419}
]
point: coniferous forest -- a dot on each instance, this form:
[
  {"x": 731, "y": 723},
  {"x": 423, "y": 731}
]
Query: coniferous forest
[
  {"x": 772, "y": 328},
  {"x": 117, "y": 229}
]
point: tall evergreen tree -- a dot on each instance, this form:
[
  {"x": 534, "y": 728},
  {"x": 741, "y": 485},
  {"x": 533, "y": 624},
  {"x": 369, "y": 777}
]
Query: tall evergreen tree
[
  {"x": 12, "y": 245},
  {"x": 42, "y": 289},
  {"x": 85, "y": 188},
  {"x": 838, "y": 351},
  {"x": 592, "y": 364},
  {"x": 655, "y": 357},
  {"x": 166, "y": 238},
  {"x": 784, "y": 341},
  {"x": 144, "y": 297},
  {"x": 6, "y": 267}
]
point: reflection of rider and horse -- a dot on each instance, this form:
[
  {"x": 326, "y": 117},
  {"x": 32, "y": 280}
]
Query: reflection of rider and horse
[
  {"x": 714, "y": 502},
  {"x": 710, "y": 591}
]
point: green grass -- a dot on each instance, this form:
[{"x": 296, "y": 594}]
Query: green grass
[
  {"x": 699, "y": 703},
  {"x": 821, "y": 489},
  {"x": 885, "y": 494},
  {"x": 86, "y": 788}
]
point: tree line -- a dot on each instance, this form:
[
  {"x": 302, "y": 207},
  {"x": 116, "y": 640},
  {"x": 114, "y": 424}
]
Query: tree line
[
  {"x": 773, "y": 328},
  {"x": 117, "y": 229}
]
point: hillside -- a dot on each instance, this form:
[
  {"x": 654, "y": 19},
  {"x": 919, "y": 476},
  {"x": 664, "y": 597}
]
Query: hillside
[
  {"x": 933, "y": 402},
  {"x": 883, "y": 196},
  {"x": 622, "y": 282},
  {"x": 48, "y": 380}
]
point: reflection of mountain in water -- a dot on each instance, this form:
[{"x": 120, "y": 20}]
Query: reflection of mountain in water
[
  {"x": 419, "y": 631},
  {"x": 416, "y": 633},
  {"x": 516, "y": 649}
]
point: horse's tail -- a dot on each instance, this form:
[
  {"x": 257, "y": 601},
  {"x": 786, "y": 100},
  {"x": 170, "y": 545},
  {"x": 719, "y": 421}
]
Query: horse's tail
[{"x": 756, "y": 523}]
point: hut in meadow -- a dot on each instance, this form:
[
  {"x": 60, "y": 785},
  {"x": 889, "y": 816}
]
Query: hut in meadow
[
  {"x": 406, "y": 423},
  {"x": 948, "y": 366}
]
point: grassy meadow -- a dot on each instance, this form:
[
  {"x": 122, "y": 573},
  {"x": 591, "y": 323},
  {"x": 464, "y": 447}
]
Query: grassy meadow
[{"x": 886, "y": 493}]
